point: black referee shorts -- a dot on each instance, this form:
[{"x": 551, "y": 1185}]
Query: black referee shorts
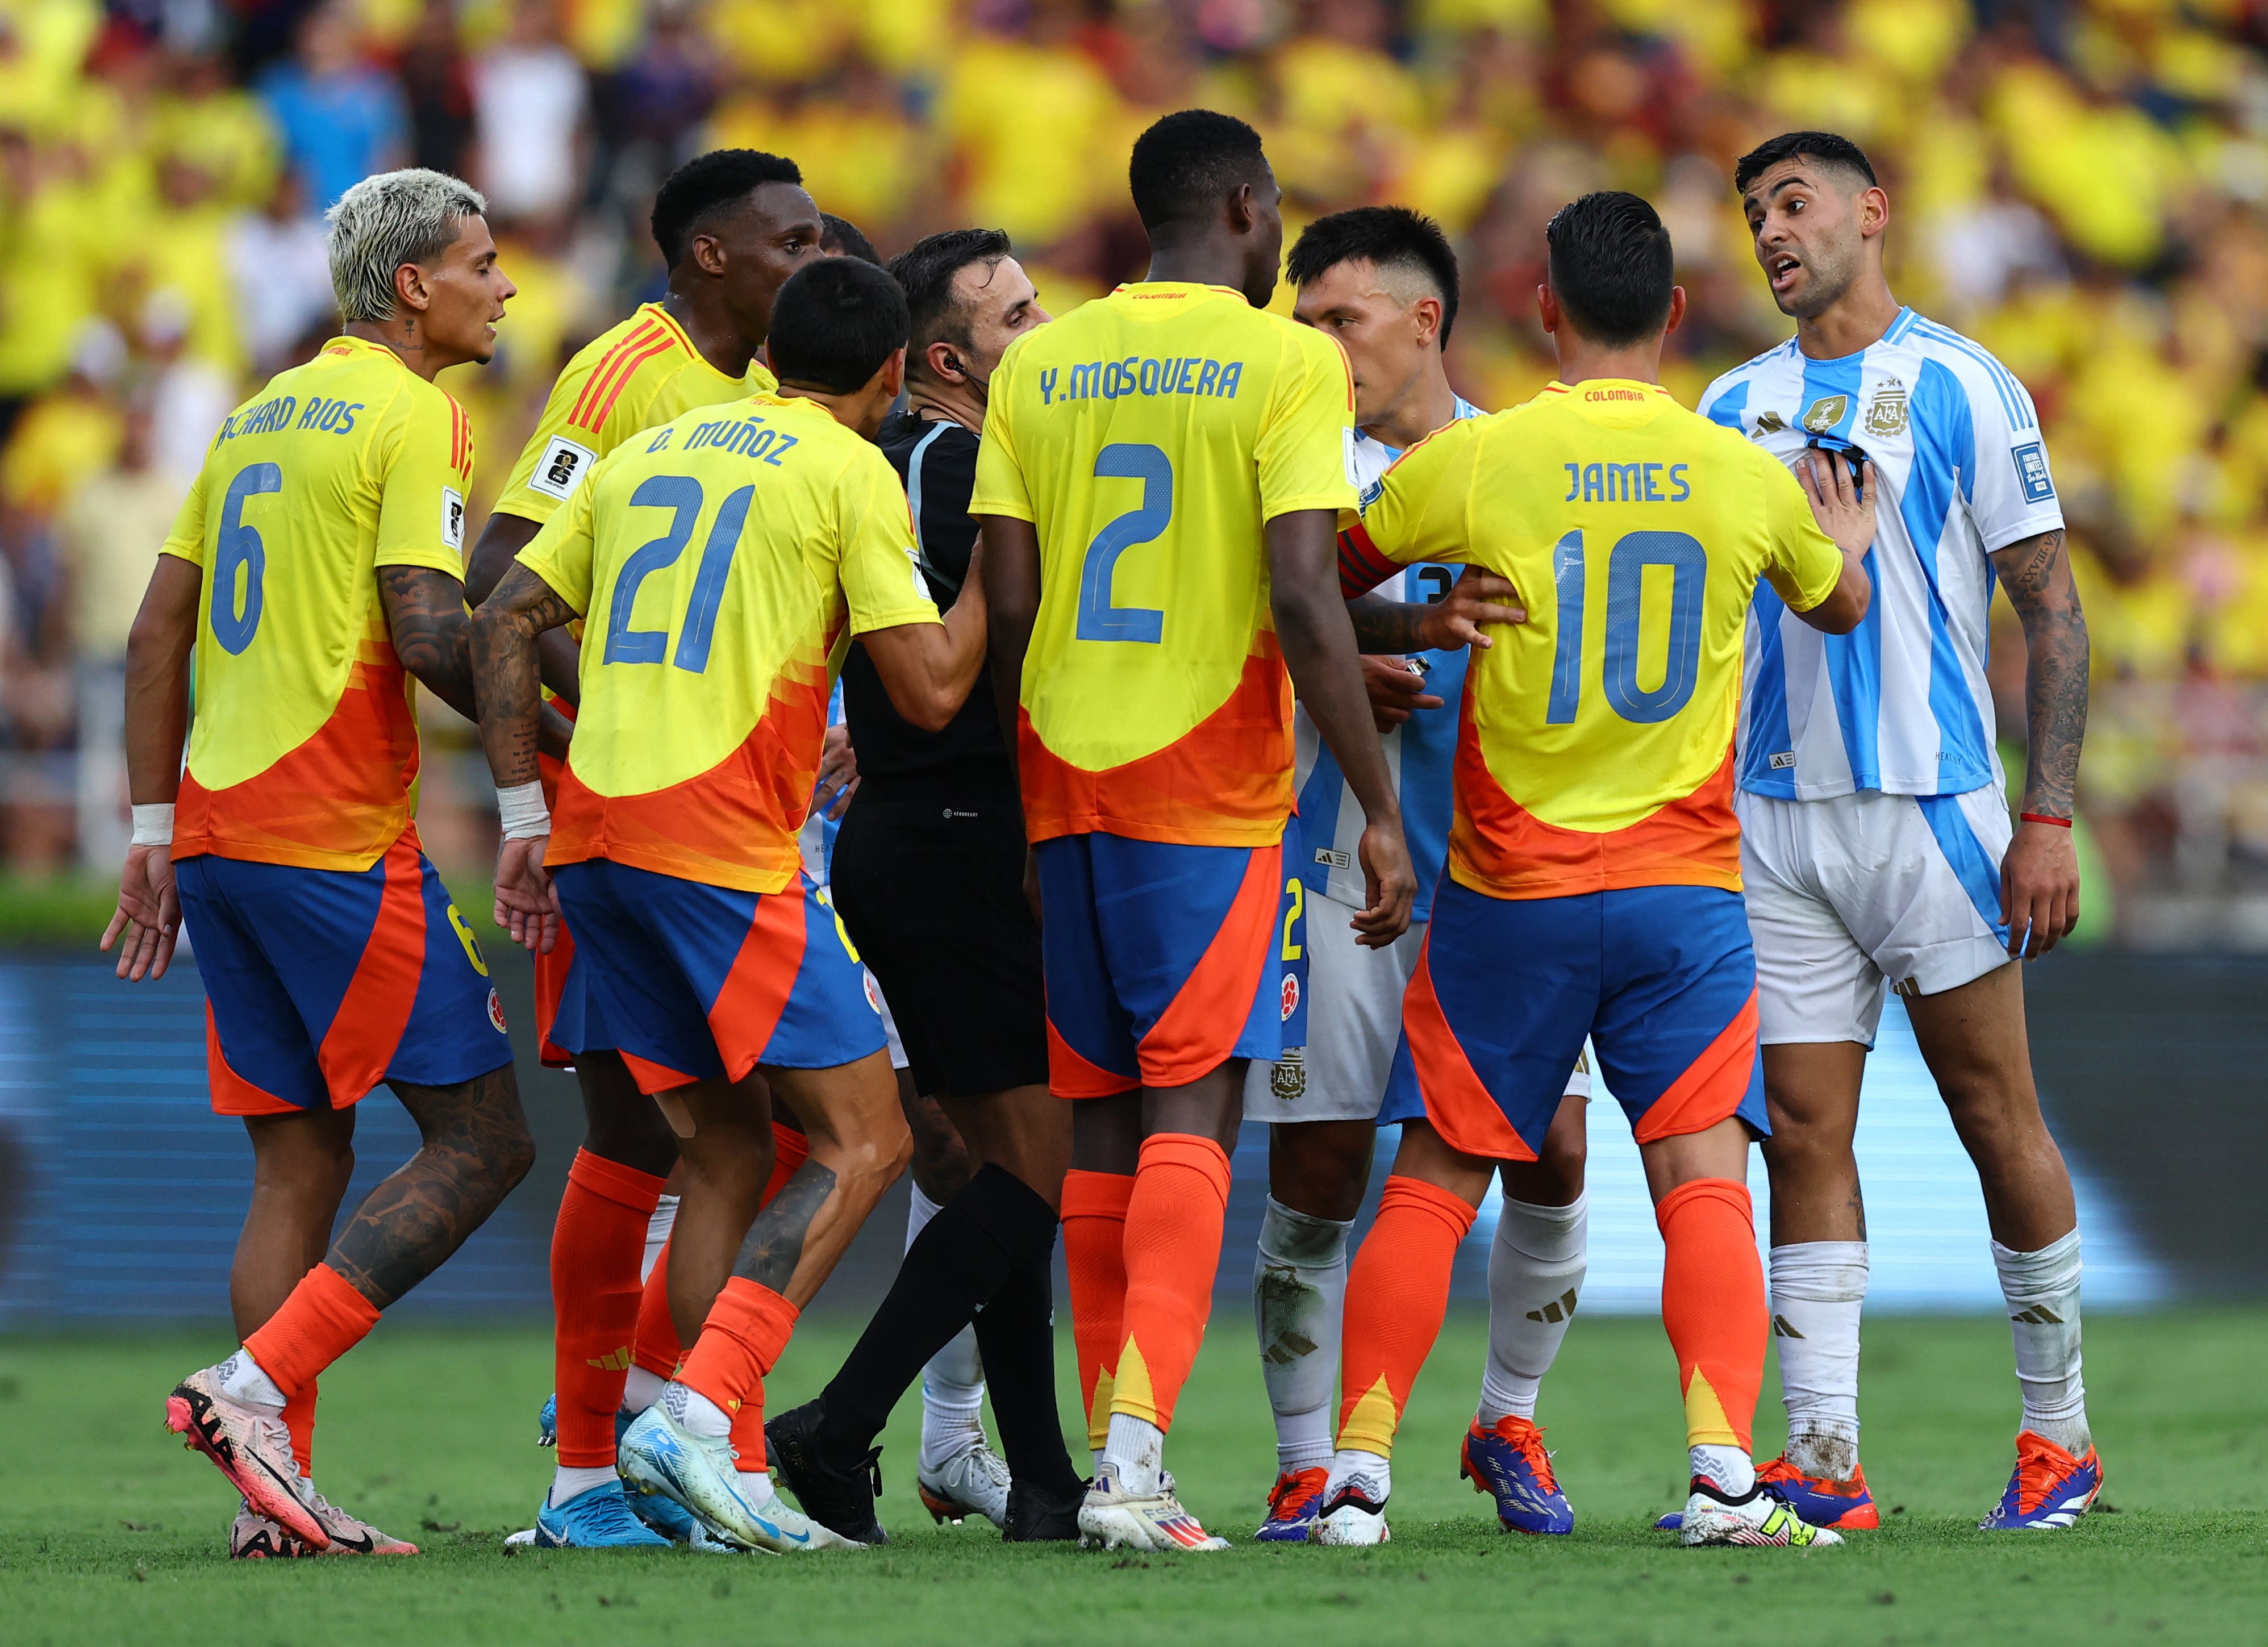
[{"x": 932, "y": 894}]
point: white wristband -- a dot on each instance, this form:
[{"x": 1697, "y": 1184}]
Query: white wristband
[
  {"x": 153, "y": 825},
  {"x": 522, "y": 811}
]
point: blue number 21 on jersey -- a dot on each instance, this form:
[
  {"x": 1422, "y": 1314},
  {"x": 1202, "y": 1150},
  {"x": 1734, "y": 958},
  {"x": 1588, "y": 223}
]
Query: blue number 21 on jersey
[
  {"x": 1626, "y": 565},
  {"x": 1099, "y": 619},
  {"x": 682, "y": 495}
]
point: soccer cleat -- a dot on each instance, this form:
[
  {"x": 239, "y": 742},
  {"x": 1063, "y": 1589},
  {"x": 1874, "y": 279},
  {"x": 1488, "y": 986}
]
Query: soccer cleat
[
  {"x": 1035, "y": 1516},
  {"x": 2050, "y": 1489},
  {"x": 547, "y": 1424},
  {"x": 1845, "y": 1506},
  {"x": 1509, "y": 1463},
  {"x": 598, "y": 1519},
  {"x": 659, "y": 1457},
  {"x": 841, "y": 1500},
  {"x": 1111, "y": 1519},
  {"x": 250, "y": 1447},
  {"x": 350, "y": 1536},
  {"x": 1355, "y": 1514},
  {"x": 1291, "y": 1505},
  {"x": 1757, "y": 1517},
  {"x": 976, "y": 1483},
  {"x": 254, "y": 1538}
]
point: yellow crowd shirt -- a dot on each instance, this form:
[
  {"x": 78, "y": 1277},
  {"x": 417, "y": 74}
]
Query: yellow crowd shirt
[
  {"x": 1148, "y": 436},
  {"x": 641, "y": 374},
  {"x": 304, "y": 747},
  {"x": 719, "y": 563},
  {"x": 1595, "y": 744}
]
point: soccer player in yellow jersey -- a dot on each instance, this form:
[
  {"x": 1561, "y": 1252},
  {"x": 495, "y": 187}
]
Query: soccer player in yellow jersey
[
  {"x": 312, "y": 571},
  {"x": 721, "y": 562},
  {"x": 1158, "y": 484},
  {"x": 733, "y": 225},
  {"x": 1593, "y": 873}
]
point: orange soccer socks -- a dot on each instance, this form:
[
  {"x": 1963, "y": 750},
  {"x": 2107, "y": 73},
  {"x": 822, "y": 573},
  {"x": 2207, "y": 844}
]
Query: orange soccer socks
[
  {"x": 323, "y": 1319},
  {"x": 1174, "y": 1221},
  {"x": 596, "y": 1248},
  {"x": 656, "y": 1347},
  {"x": 748, "y": 1327},
  {"x": 1397, "y": 1292},
  {"x": 299, "y": 1419},
  {"x": 1712, "y": 1307},
  {"x": 1094, "y": 1262}
]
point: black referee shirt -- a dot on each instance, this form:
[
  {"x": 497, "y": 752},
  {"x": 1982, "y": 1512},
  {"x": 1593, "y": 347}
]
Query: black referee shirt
[{"x": 937, "y": 459}]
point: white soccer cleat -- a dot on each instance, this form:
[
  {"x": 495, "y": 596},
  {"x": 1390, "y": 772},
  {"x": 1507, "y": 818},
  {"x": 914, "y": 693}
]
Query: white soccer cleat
[
  {"x": 655, "y": 1455},
  {"x": 973, "y": 1483},
  {"x": 251, "y": 1446},
  {"x": 1353, "y": 1515},
  {"x": 350, "y": 1534},
  {"x": 1712, "y": 1517},
  {"x": 1111, "y": 1519},
  {"x": 254, "y": 1538}
]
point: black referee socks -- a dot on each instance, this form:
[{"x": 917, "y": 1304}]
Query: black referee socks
[
  {"x": 996, "y": 1227},
  {"x": 1016, "y": 1338}
]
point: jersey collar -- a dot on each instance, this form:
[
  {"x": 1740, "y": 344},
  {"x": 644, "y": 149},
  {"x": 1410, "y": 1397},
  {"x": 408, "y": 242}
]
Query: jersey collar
[
  {"x": 1163, "y": 287},
  {"x": 346, "y": 344},
  {"x": 668, "y": 320},
  {"x": 1557, "y": 387}
]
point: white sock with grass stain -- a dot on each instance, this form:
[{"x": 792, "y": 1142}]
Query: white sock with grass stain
[{"x": 1137, "y": 1448}]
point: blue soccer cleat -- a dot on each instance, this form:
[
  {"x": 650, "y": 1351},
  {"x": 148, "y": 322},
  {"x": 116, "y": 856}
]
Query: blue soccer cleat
[
  {"x": 598, "y": 1519},
  {"x": 2050, "y": 1490},
  {"x": 1509, "y": 1463},
  {"x": 547, "y": 1424},
  {"x": 667, "y": 1518},
  {"x": 1292, "y": 1504},
  {"x": 660, "y": 1458}
]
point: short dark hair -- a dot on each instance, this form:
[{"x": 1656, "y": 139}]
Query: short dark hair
[
  {"x": 1391, "y": 237},
  {"x": 834, "y": 323},
  {"x": 1611, "y": 266},
  {"x": 1184, "y": 164},
  {"x": 925, "y": 272},
  {"x": 705, "y": 185},
  {"x": 840, "y": 234},
  {"x": 1823, "y": 146}
]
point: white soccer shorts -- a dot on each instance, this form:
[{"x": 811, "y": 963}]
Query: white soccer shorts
[
  {"x": 1850, "y": 896},
  {"x": 1354, "y": 1023}
]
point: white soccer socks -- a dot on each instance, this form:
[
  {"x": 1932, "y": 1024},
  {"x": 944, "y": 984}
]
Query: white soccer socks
[
  {"x": 568, "y": 1483},
  {"x": 241, "y": 1379},
  {"x": 1817, "y": 1290},
  {"x": 1536, "y": 1270},
  {"x": 953, "y": 1382},
  {"x": 2041, "y": 1289},
  {"x": 1137, "y": 1447},
  {"x": 1298, "y": 1294},
  {"x": 657, "y": 1234},
  {"x": 1727, "y": 1469}
]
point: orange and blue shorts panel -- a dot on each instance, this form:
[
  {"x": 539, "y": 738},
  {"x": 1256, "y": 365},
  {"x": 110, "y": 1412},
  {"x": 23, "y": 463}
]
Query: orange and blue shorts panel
[{"x": 1662, "y": 980}]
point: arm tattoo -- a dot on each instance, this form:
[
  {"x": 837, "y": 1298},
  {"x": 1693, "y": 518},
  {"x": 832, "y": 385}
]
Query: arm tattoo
[
  {"x": 504, "y": 667},
  {"x": 477, "y": 1148},
  {"x": 2038, "y": 574},
  {"x": 1387, "y": 626},
  {"x": 425, "y": 610},
  {"x": 775, "y": 1243}
]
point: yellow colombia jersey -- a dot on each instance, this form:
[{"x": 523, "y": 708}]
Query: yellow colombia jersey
[
  {"x": 1147, "y": 436},
  {"x": 718, "y": 564},
  {"x": 1595, "y": 750},
  {"x": 305, "y": 747},
  {"x": 643, "y": 373}
]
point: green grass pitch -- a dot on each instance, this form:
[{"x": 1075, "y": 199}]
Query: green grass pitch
[{"x": 110, "y": 1533}]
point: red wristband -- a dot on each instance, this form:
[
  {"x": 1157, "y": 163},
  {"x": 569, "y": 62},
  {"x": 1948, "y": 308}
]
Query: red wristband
[{"x": 2060, "y": 823}]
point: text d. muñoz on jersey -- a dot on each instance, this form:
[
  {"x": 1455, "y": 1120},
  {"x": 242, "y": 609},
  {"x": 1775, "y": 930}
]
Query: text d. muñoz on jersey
[
  {"x": 1900, "y": 703},
  {"x": 1419, "y": 752}
]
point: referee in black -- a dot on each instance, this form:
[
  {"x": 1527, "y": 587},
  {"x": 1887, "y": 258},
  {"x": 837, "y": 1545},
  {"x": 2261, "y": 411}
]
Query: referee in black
[{"x": 928, "y": 877}]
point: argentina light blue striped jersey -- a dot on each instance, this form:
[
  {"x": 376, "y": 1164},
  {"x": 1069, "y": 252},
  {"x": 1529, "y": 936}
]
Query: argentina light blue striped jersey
[
  {"x": 1419, "y": 752},
  {"x": 1900, "y": 703}
]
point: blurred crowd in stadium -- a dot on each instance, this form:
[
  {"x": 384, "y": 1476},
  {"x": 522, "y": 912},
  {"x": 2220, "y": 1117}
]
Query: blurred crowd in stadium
[{"x": 2081, "y": 186}]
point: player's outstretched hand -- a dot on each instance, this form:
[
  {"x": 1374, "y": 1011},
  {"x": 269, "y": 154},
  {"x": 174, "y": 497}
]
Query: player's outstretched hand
[
  {"x": 838, "y": 774},
  {"x": 1477, "y": 599},
  {"x": 2039, "y": 889},
  {"x": 525, "y": 906},
  {"x": 1390, "y": 885},
  {"x": 1396, "y": 690},
  {"x": 1844, "y": 511},
  {"x": 149, "y": 915}
]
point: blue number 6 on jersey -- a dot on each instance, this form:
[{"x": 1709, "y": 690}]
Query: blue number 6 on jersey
[
  {"x": 240, "y": 544},
  {"x": 1099, "y": 619}
]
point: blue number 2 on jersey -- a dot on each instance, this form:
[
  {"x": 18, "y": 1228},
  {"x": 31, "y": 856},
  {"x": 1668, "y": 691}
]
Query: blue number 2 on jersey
[
  {"x": 1100, "y": 619},
  {"x": 1626, "y": 563}
]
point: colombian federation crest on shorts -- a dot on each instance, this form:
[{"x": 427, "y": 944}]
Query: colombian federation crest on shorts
[{"x": 496, "y": 1013}]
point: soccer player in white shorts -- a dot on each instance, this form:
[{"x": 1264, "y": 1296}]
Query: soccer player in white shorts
[
  {"x": 1876, "y": 844},
  {"x": 1384, "y": 281}
]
